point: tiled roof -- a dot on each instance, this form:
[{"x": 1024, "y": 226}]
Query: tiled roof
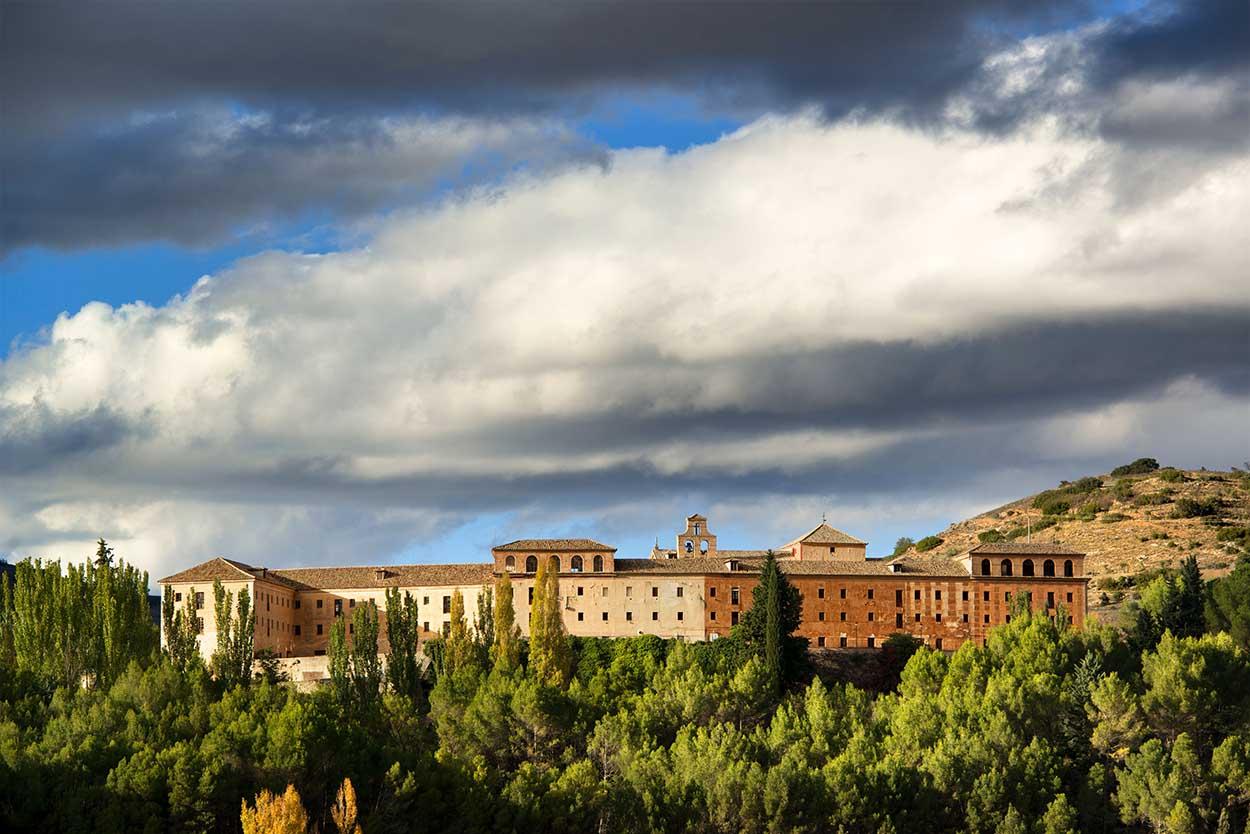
[
  {"x": 400, "y": 576},
  {"x": 929, "y": 567},
  {"x": 695, "y": 565},
  {"x": 1025, "y": 549},
  {"x": 227, "y": 570},
  {"x": 824, "y": 534},
  {"x": 565, "y": 545}
]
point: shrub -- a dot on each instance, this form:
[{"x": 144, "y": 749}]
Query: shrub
[
  {"x": 1084, "y": 485},
  {"x": 989, "y": 536},
  {"x": 1171, "y": 475},
  {"x": 1141, "y": 466},
  {"x": 1112, "y": 518},
  {"x": 1195, "y": 508},
  {"x": 1053, "y": 506},
  {"x": 1239, "y": 536},
  {"x": 1123, "y": 489},
  {"x": 927, "y": 543},
  {"x": 1148, "y": 499}
]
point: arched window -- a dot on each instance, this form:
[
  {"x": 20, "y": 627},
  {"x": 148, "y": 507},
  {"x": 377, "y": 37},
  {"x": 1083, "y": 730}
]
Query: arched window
[
  {"x": 689, "y": 546},
  {"x": 598, "y": 563},
  {"x": 577, "y": 564},
  {"x": 703, "y": 546},
  {"x": 1027, "y": 568},
  {"x": 1005, "y": 568},
  {"x": 1067, "y": 567},
  {"x": 555, "y": 562},
  {"x": 531, "y": 564},
  {"x": 510, "y": 563},
  {"x": 1048, "y": 568},
  {"x": 985, "y": 567}
]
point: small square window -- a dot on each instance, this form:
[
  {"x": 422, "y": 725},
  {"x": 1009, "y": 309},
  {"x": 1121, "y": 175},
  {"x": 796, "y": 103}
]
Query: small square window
[
  {"x": 1069, "y": 596},
  {"x": 178, "y": 597},
  {"x": 320, "y": 652}
]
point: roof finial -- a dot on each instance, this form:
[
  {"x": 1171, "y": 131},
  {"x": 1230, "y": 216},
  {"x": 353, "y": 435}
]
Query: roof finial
[{"x": 824, "y": 518}]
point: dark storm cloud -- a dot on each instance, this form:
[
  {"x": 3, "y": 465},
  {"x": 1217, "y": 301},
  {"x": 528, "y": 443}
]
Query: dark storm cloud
[
  {"x": 34, "y": 438},
  {"x": 108, "y": 106}
]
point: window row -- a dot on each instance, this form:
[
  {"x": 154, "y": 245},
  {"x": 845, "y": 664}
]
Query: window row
[
  {"x": 1026, "y": 568},
  {"x": 577, "y": 564}
]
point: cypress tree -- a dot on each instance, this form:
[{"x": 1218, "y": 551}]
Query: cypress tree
[
  {"x": 767, "y": 628},
  {"x": 1190, "y": 599}
]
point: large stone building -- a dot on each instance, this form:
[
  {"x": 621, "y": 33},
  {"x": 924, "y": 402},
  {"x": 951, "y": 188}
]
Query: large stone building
[{"x": 694, "y": 591}]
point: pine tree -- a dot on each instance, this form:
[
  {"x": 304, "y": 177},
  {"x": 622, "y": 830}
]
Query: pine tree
[
  {"x": 506, "y": 652},
  {"x": 550, "y": 654},
  {"x": 103, "y": 554},
  {"x": 1190, "y": 599}
]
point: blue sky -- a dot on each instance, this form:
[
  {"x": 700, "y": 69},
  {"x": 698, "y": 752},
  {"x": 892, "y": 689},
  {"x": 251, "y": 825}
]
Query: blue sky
[{"x": 493, "y": 276}]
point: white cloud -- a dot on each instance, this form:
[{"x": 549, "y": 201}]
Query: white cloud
[{"x": 596, "y": 318}]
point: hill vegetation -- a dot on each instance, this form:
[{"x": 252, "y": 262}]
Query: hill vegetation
[{"x": 1133, "y": 523}]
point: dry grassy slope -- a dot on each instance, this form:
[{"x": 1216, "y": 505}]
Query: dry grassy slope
[{"x": 1148, "y": 536}]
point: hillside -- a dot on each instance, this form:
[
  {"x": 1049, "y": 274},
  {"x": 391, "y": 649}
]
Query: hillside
[{"x": 1127, "y": 522}]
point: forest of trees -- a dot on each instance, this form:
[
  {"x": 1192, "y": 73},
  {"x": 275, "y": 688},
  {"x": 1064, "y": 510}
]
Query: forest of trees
[{"x": 1046, "y": 729}]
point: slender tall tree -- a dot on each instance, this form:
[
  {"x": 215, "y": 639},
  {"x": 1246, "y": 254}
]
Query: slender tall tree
[
  {"x": 550, "y": 653},
  {"x": 366, "y": 664},
  {"x": 484, "y": 622},
  {"x": 459, "y": 651},
  {"x": 236, "y": 637},
  {"x": 506, "y": 652},
  {"x": 767, "y": 628},
  {"x": 403, "y": 634}
]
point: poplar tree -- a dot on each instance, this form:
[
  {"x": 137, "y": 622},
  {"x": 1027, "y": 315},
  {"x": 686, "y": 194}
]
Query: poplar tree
[
  {"x": 340, "y": 662},
  {"x": 236, "y": 636},
  {"x": 403, "y": 634},
  {"x": 550, "y": 653},
  {"x": 484, "y": 622},
  {"x": 459, "y": 651},
  {"x": 366, "y": 665},
  {"x": 506, "y": 652},
  {"x": 180, "y": 631}
]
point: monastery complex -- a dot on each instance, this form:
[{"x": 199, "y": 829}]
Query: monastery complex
[{"x": 694, "y": 591}]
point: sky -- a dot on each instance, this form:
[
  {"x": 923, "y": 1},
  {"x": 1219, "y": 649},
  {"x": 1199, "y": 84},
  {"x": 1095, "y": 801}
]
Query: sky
[{"x": 318, "y": 283}]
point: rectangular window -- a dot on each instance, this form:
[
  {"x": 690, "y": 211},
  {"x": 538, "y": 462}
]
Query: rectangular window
[
  {"x": 581, "y": 616},
  {"x": 842, "y": 616},
  {"x": 820, "y": 641},
  {"x": 871, "y": 616},
  {"x": 655, "y": 615},
  {"x": 297, "y": 631},
  {"x": 842, "y": 593},
  {"x": 199, "y": 625},
  {"x": 965, "y": 618},
  {"x": 917, "y": 595},
  {"x": 446, "y": 630},
  {"x": 1007, "y": 596},
  {"x": 531, "y": 595},
  {"x": 820, "y": 592},
  {"x": 821, "y": 616},
  {"x": 937, "y": 595},
  {"x": 938, "y": 616},
  {"x": 320, "y": 652},
  {"x": 987, "y": 619},
  {"x": 605, "y": 616},
  {"x": 425, "y": 626},
  {"x": 681, "y": 592},
  {"x": 447, "y": 603},
  {"x": 965, "y": 596},
  {"x": 898, "y": 597},
  {"x": 629, "y": 616},
  {"x": 655, "y": 592},
  {"x": 178, "y": 597},
  {"x": 297, "y": 605},
  {"x": 199, "y": 599},
  {"x": 580, "y": 590},
  {"x": 629, "y": 590},
  {"x": 319, "y": 632},
  {"x": 842, "y": 642},
  {"x": 1069, "y": 596},
  {"x": 351, "y": 603},
  {"x": 898, "y": 620},
  {"x": 712, "y": 616},
  {"x": 681, "y": 615},
  {"x": 733, "y": 618},
  {"x": 351, "y": 628},
  {"x": 1050, "y": 599},
  {"x": 917, "y": 616},
  {"x": 937, "y": 644},
  {"x": 425, "y": 601},
  {"x": 711, "y": 591},
  {"x": 985, "y": 595},
  {"x": 870, "y": 592},
  {"x": 1008, "y": 618},
  {"x": 872, "y": 641},
  {"x": 338, "y": 607},
  {"x": 733, "y": 596},
  {"x": 320, "y": 603},
  {"x": 605, "y": 590}
]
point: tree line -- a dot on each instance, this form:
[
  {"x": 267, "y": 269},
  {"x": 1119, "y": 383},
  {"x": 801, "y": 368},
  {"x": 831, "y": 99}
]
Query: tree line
[{"x": 1044, "y": 730}]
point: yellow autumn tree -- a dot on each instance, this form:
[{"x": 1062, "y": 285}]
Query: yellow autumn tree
[
  {"x": 275, "y": 814},
  {"x": 344, "y": 811}
]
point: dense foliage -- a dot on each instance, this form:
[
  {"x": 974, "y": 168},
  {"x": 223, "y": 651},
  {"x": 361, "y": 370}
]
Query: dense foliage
[{"x": 1046, "y": 730}]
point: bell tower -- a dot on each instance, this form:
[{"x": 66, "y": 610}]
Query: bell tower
[{"x": 697, "y": 540}]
